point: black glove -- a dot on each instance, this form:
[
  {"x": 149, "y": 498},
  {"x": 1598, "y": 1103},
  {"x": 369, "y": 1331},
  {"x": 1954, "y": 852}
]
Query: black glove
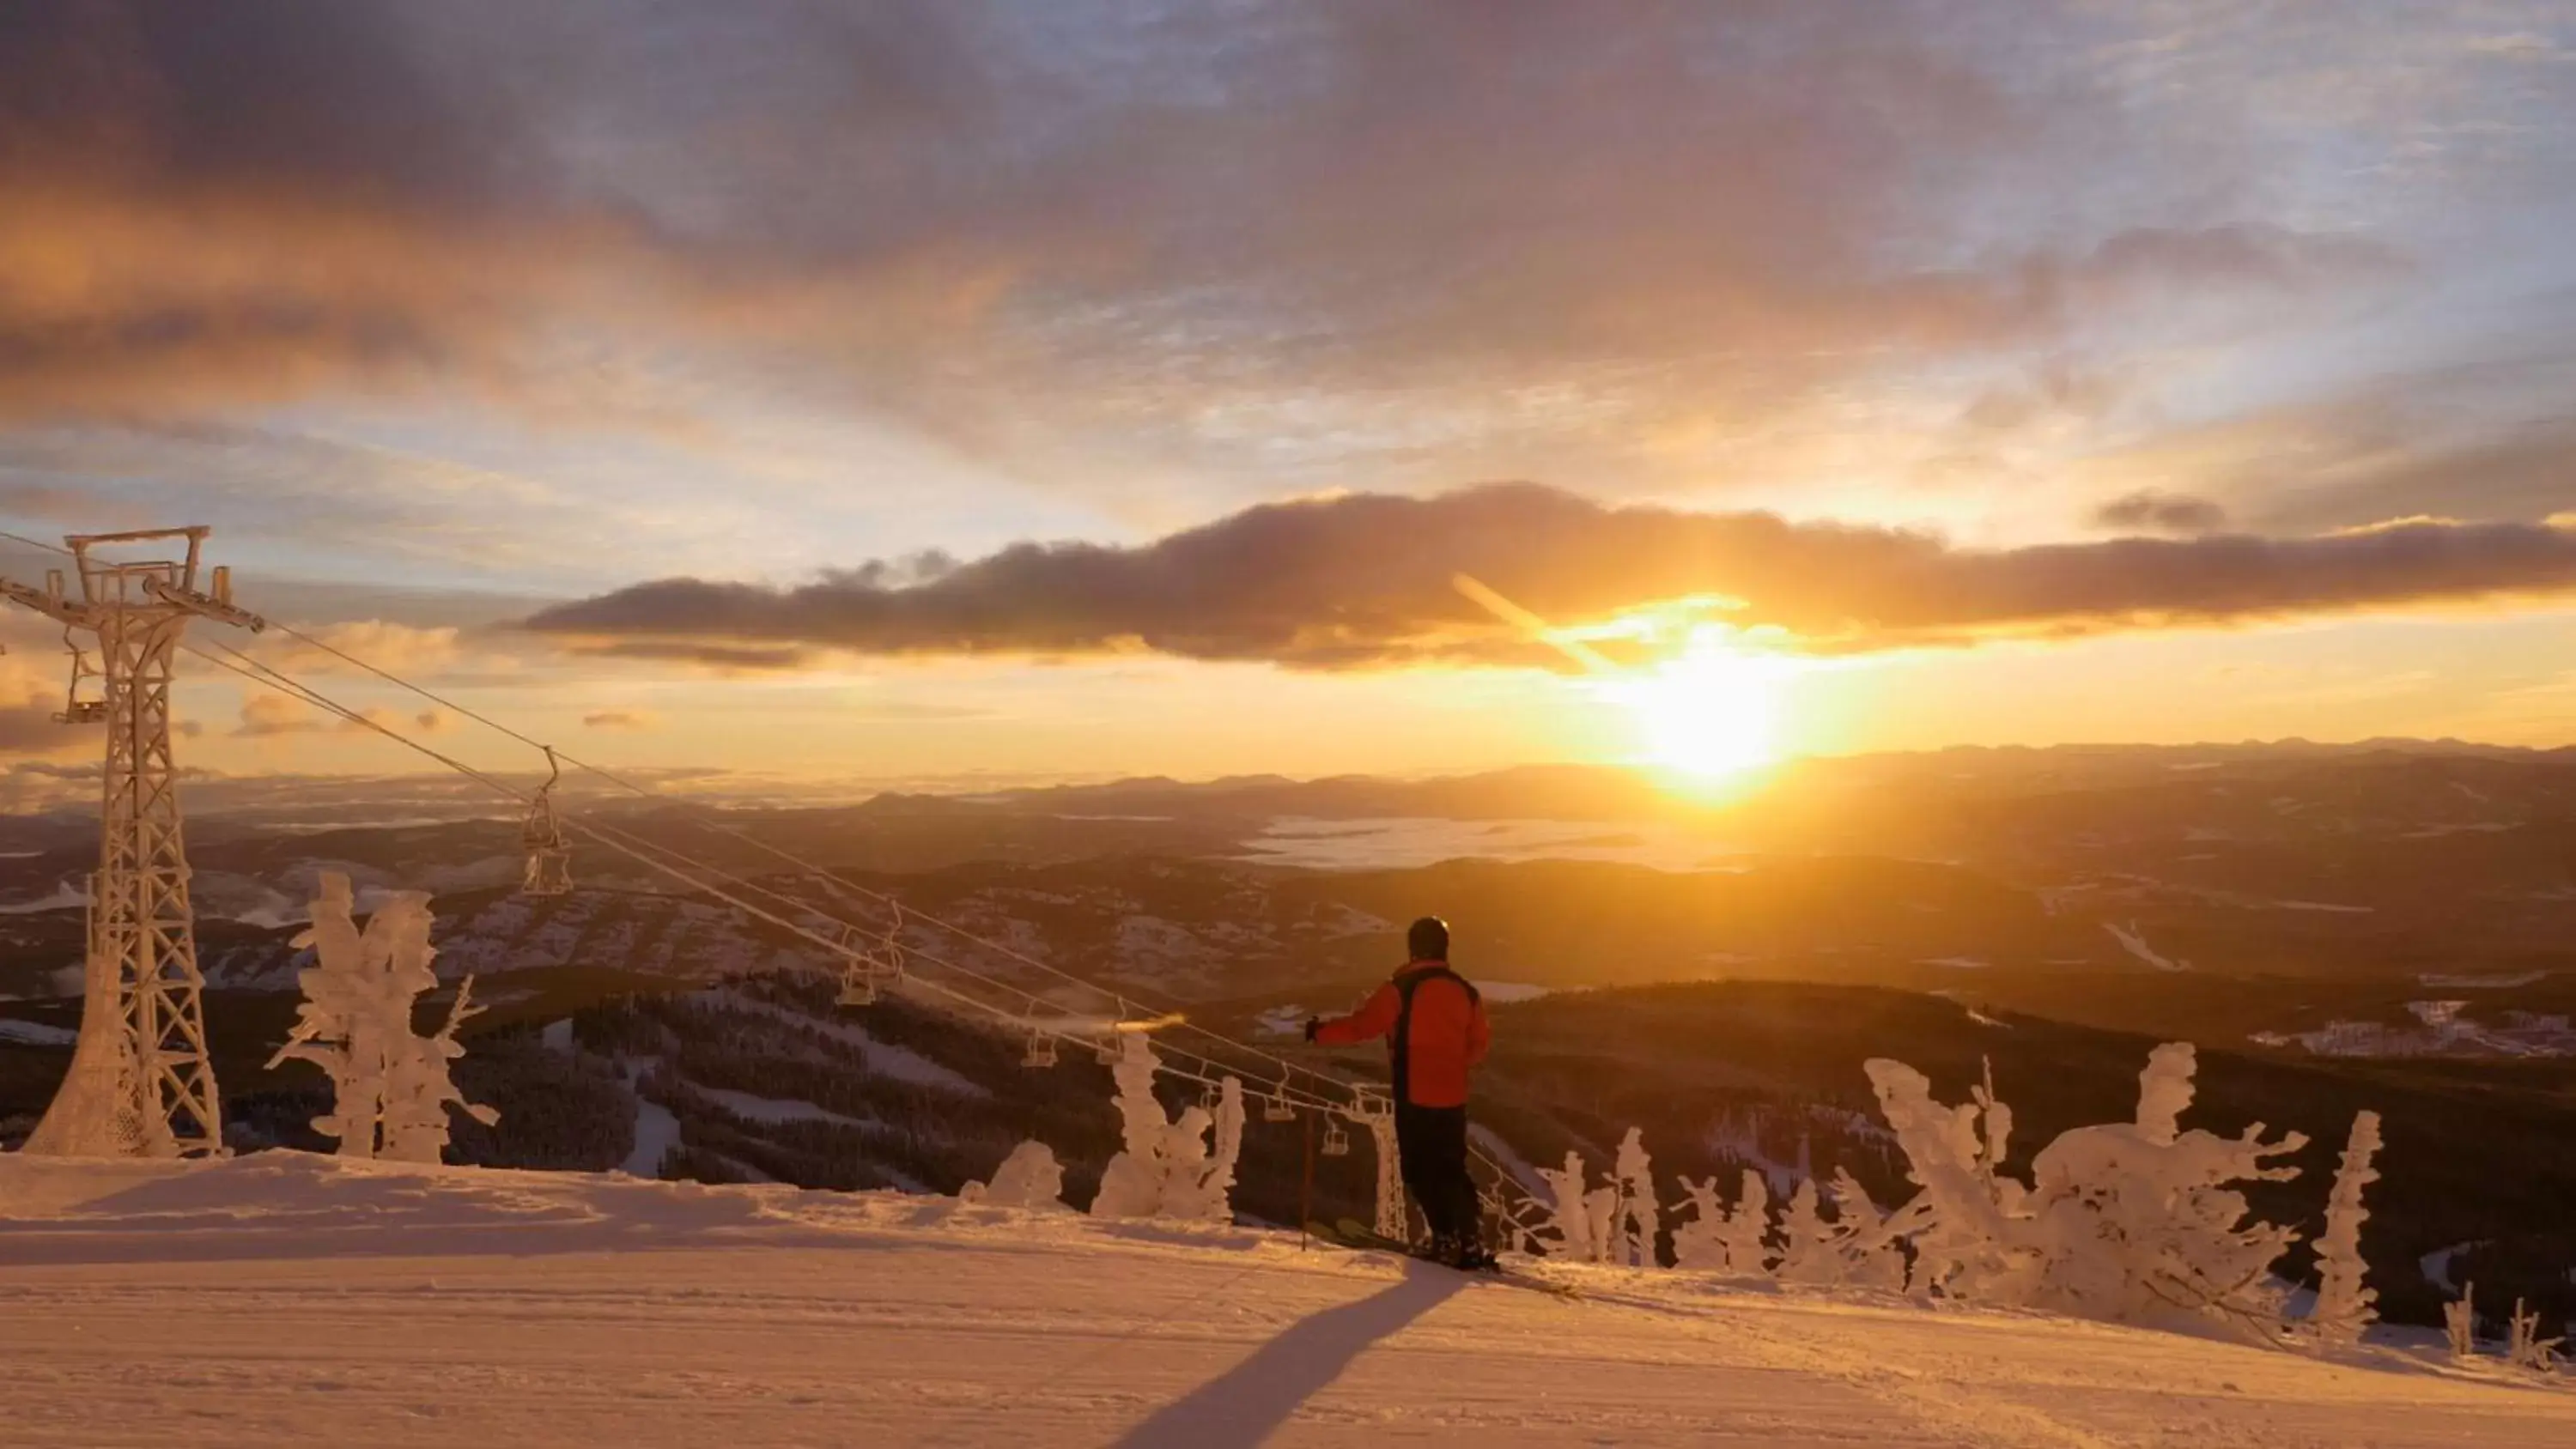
[{"x": 1311, "y": 1024}]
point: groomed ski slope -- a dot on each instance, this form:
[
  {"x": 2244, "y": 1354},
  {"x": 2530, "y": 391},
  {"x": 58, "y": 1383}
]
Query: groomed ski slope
[{"x": 287, "y": 1298}]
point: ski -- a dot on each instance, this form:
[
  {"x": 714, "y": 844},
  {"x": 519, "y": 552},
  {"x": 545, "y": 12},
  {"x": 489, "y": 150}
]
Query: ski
[{"x": 1360, "y": 1237}]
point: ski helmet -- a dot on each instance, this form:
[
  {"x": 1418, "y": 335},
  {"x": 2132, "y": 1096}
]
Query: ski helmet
[{"x": 1428, "y": 939}]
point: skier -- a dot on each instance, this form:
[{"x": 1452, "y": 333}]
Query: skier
[{"x": 1434, "y": 1023}]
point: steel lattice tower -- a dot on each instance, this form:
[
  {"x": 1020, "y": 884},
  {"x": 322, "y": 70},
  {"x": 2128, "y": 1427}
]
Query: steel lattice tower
[{"x": 141, "y": 1082}]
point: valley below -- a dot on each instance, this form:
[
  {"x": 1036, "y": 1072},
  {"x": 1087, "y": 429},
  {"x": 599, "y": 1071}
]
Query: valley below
[{"x": 2388, "y": 928}]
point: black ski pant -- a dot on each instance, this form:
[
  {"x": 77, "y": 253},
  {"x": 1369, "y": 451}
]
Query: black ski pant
[{"x": 1431, "y": 1146}]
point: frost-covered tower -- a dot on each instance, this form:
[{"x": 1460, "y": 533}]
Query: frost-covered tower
[{"x": 141, "y": 1083}]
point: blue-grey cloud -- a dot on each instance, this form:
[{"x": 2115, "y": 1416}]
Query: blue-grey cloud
[
  {"x": 1149, "y": 211},
  {"x": 1366, "y": 580},
  {"x": 2151, "y": 510}
]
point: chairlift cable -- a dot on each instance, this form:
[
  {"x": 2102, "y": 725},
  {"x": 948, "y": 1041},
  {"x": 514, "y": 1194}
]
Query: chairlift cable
[
  {"x": 645, "y": 853},
  {"x": 1121, "y": 999},
  {"x": 660, "y": 859}
]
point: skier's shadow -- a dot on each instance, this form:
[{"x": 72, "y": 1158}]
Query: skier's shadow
[{"x": 1240, "y": 1407}]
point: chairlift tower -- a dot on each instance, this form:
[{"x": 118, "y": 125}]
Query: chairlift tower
[
  {"x": 1375, "y": 1112},
  {"x": 141, "y": 1082}
]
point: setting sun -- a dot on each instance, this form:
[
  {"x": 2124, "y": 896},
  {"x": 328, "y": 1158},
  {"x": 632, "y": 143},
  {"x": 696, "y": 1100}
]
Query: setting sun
[{"x": 1711, "y": 711}]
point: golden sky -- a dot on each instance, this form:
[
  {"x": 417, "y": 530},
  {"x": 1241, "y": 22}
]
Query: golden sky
[{"x": 910, "y": 390}]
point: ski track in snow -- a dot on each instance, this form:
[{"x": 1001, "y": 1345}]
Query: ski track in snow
[{"x": 293, "y": 1298}]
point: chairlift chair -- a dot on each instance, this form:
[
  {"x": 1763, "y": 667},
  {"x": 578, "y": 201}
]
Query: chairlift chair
[
  {"x": 1041, "y": 1050},
  {"x": 858, "y": 971},
  {"x": 549, "y": 874},
  {"x": 1105, "y": 1051},
  {"x": 1275, "y": 1108},
  {"x": 1337, "y": 1143},
  {"x": 76, "y": 710},
  {"x": 885, "y": 966},
  {"x": 541, "y": 835}
]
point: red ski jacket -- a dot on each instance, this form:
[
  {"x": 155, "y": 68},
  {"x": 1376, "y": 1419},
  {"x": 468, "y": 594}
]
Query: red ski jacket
[{"x": 1447, "y": 1033}]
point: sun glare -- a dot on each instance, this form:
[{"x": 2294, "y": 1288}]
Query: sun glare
[{"x": 1710, "y": 712}]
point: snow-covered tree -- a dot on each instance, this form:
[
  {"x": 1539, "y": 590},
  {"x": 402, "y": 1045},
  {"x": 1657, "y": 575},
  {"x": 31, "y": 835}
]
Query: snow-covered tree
[
  {"x": 2344, "y": 1301},
  {"x": 1699, "y": 1245},
  {"x": 1639, "y": 1219},
  {"x": 1747, "y": 1236},
  {"x": 1871, "y": 1255},
  {"x": 1029, "y": 1178},
  {"x": 1808, "y": 1253},
  {"x": 1166, "y": 1169},
  {"x": 2136, "y": 1221},
  {"x": 1967, "y": 1222},
  {"x": 1601, "y": 1214},
  {"x": 1568, "y": 1219},
  {"x": 419, "y": 1091},
  {"x": 2524, "y": 1347},
  {"x": 390, "y": 1087},
  {"x": 2124, "y": 1221},
  {"x": 1714, "y": 1240},
  {"x": 2460, "y": 1323}
]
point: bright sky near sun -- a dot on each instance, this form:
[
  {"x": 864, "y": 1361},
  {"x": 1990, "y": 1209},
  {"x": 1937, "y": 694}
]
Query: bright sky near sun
[{"x": 1874, "y": 375}]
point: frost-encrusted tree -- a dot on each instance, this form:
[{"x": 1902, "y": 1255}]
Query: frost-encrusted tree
[
  {"x": 1871, "y": 1256},
  {"x": 419, "y": 1091},
  {"x": 1166, "y": 1168},
  {"x": 2136, "y": 1221},
  {"x": 1029, "y": 1178},
  {"x": 2460, "y": 1324},
  {"x": 1807, "y": 1249},
  {"x": 1853, "y": 1247},
  {"x": 1639, "y": 1220},
  {"x": 390, "y": 1087},
  {"x": 1568, "y": 1217},
  {"x": 2125, "y": 1221},
  {"x": 1746, "y": 1238},
  {"x": 2344, "y": 1301},
  {"x": 1966, "y": 1223},
  {"x": 2524, "y": 1348},
  {"x": 1697, "y": 1246},
  {"x": 1601, "y": 1212}
]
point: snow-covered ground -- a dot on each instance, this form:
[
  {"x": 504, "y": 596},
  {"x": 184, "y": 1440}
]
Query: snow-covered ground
[
  {"x": 36, "y": 1033},
  {"x": 288, "y": 1298},
  {"x": 2135, "y": 943}
]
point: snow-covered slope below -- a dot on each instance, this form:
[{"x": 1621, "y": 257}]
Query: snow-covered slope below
[{"x": 286, "y": 1298}]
